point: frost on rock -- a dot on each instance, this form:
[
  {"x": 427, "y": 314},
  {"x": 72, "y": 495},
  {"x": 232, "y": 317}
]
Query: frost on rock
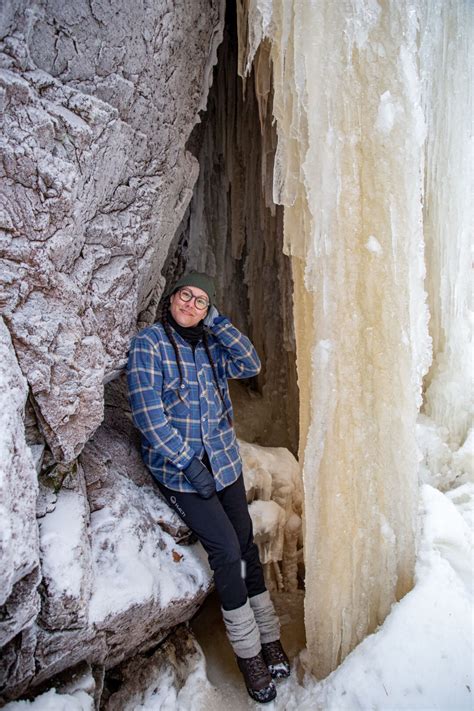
[
  {"x": 19, "y": 549},
  {"x": 273, "y": 485},
  {"x": 366, "y": 130},
  {"x": 95, "y": 179},
  {"x": 96, "y": 106}
]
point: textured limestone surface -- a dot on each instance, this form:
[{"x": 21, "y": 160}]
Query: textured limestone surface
[
  {"x": 97, "y": 102},
  {"x": 19, "y": 551}
]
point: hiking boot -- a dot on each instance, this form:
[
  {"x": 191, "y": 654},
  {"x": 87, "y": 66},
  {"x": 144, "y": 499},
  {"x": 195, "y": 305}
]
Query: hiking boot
[
  {"x": 276, "y": 660},
  {"x": 257, "y": 678}
]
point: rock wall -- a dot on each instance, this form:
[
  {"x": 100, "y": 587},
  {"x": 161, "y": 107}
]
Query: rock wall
[
  {"x": 97, "y": 102},
  {"x": 96, "y": 113},
  {"x": 105, "y": 551},
  {"x": 19, "y": 540}
]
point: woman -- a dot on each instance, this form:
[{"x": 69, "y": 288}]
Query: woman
[{"x": 177, "y": 377}]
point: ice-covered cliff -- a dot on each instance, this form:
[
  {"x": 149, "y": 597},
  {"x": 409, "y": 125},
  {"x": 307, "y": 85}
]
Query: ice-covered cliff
[{"x": 372, "y": 106}]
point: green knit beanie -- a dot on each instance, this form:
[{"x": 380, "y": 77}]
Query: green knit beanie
[{"x": 202, "y": 281}]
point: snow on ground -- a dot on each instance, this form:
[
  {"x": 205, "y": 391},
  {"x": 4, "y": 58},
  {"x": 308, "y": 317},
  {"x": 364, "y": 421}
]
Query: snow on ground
[
  {"x": 421, "y": 658},
  {"x": 52, "y": 701}
]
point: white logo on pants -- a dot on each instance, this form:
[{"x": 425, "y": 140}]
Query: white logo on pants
[{"x": 177, "y": 506}]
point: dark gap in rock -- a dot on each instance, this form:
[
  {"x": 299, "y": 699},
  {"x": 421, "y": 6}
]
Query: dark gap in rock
[{"x": 234, "y": 231}]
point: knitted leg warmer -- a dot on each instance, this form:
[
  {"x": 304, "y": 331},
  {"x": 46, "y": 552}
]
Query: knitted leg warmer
[
  {"x": 242, "y": 631},
  {"x": 266, "y": 617}
]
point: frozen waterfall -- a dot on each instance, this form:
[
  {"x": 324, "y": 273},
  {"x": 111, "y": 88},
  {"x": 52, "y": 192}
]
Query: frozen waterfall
[{"x": 371, "y": 101}]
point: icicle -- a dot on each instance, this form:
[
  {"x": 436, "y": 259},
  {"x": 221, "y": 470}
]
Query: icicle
[
  {"x": 290, "y": 554},
  {"x": 273, "y": 486}
]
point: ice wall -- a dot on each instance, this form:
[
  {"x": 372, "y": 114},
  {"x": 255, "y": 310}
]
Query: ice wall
[
  {"x": 354, "y": 99},
  {"x": 445, "y": 58}
]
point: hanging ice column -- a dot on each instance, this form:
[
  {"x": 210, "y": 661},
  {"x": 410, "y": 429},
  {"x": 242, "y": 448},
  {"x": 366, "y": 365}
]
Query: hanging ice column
[
  {"x": 348, "y": 101},
  {"x": 446, "y": 50}
]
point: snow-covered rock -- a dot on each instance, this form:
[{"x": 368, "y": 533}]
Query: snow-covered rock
[
  {"x": 19, "y": 552},
  {"x": 95, "y": 113},
  {"x": 138, "y": 568},
  {"x": 66, "y": 557},
  {"x": 115, "y": 578},
  {"x": 174, "y": 677}
]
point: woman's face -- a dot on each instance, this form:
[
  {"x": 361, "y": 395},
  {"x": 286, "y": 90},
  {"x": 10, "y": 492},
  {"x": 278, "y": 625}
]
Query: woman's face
[{"x": 184, "y": 312}]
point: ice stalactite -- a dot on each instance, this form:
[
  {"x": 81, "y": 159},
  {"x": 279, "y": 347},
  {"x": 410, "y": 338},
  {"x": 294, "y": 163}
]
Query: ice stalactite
[
  {"x": 355, "y": 88},
  {"x": 445, "y": 57},
  {"x": 274, "y": 492}
]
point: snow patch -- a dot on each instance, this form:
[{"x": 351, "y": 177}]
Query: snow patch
[
  {"x": 61, "y": 538},
  {"x": 52, "y": 701}
]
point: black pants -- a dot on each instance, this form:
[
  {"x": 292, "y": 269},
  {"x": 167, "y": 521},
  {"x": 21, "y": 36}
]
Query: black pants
[{"x": 224, "y": 527}]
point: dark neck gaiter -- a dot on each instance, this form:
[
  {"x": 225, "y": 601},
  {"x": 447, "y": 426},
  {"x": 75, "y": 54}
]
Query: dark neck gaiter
[{"x": 192, "y": 335}]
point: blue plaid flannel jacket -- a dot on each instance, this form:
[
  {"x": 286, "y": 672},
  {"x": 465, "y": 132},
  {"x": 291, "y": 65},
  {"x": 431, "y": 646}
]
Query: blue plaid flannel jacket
[{"x": 180, "y": 421}]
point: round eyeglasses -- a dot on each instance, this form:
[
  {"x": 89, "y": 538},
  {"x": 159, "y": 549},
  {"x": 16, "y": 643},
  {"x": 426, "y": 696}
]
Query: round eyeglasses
[{"x": 199, "y": 301}]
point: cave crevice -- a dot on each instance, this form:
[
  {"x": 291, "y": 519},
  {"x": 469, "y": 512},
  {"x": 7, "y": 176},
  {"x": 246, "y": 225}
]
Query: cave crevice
[{"x": 234, "y": 231}]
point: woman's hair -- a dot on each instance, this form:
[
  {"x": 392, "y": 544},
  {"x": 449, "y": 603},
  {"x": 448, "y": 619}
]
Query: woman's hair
[{"x": 172, "y": 340}]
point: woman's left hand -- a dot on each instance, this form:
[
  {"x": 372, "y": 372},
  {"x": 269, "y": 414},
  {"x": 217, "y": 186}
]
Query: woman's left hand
[{"x": 212, "y": 314}]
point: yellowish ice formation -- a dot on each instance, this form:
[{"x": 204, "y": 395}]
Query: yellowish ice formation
[{"x": 365, "y": 124}]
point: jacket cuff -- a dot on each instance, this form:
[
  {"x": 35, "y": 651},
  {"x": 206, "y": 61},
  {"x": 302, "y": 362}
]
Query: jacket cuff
[
  {"x": 221, "y": 325},
  {"x": 185, "y": 458}
]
